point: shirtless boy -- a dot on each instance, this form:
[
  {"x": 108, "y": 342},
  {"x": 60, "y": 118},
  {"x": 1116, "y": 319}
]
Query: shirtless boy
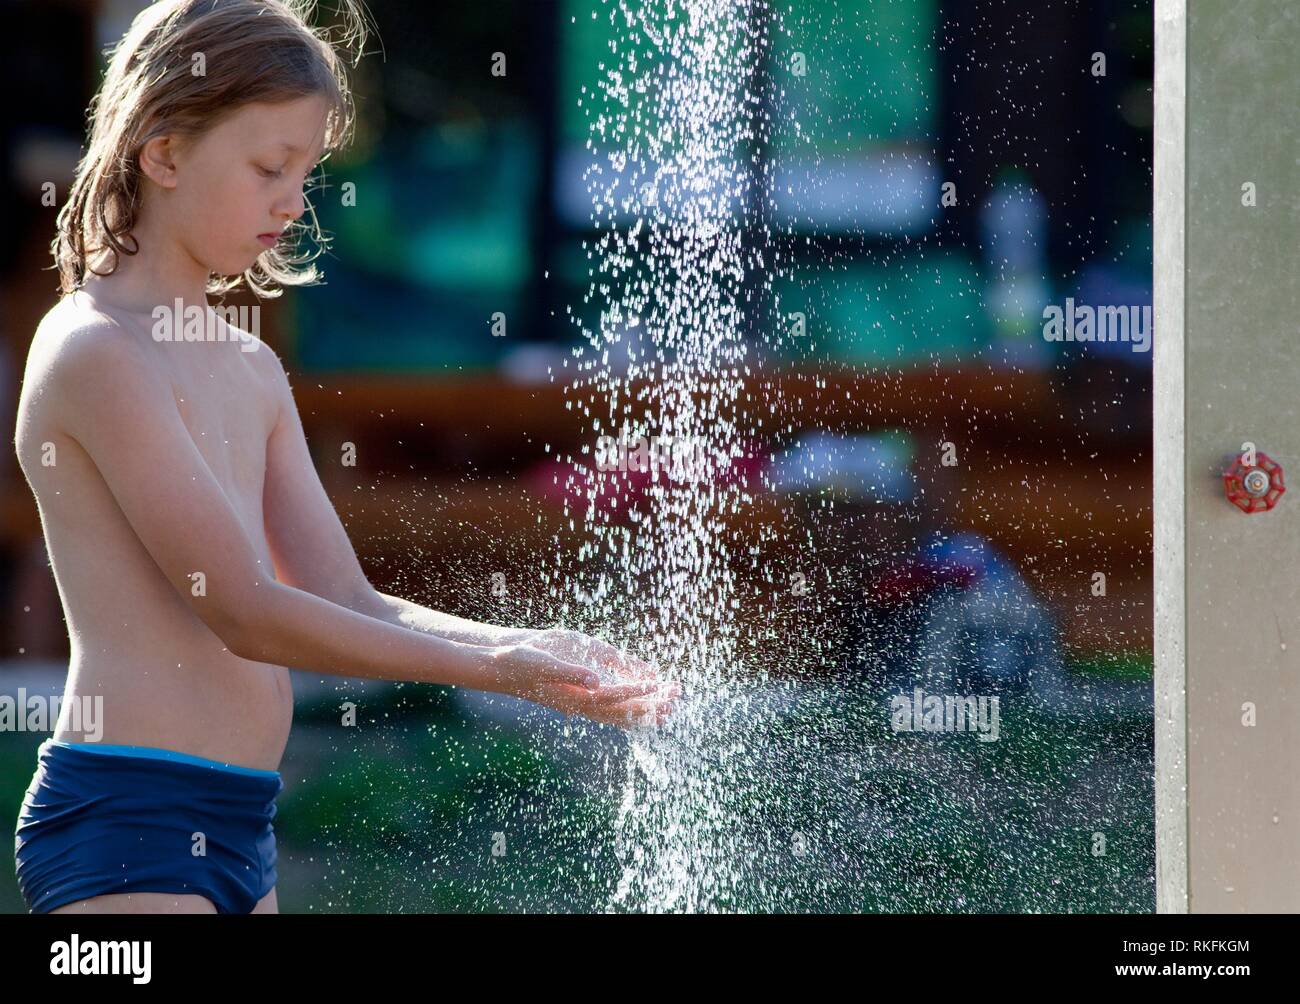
[{"x": 195, "y": 551}]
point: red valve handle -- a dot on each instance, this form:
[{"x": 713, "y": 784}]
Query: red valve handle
[{"x": 1238, "y": 487}]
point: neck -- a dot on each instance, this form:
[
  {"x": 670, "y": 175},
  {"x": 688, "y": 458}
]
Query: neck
[{"x": 162, "y": 272}]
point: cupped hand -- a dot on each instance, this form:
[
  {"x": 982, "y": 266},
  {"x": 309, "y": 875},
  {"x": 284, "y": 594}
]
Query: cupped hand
[{"x": 581, "y": 675}]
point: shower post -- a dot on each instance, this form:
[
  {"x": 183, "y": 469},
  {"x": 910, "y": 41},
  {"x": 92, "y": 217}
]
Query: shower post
[{"x": 1226, "y": 372}]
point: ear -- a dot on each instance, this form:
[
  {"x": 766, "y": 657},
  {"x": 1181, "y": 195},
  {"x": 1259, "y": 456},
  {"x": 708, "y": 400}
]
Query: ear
[{"x": 158, "y": 160}]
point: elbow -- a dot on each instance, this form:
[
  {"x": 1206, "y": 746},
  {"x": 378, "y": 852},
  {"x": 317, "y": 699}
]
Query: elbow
[
  {"x": 366, "y": 599},
  {"x": 243, "y": 626},
  {"x": 238, "y": 639}
]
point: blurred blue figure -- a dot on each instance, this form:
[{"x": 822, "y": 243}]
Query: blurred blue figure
[
  {"x": 1013, "y": 237},
  {"x": 868, "y": 466},
  {"x": 991, "y": 636}
]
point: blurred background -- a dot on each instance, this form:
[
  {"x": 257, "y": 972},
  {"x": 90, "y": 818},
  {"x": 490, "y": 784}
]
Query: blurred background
[{"x": 925, "y": 326}]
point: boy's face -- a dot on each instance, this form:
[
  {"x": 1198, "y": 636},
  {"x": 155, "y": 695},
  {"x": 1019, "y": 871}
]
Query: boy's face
[{"x": 241, "y": 183}]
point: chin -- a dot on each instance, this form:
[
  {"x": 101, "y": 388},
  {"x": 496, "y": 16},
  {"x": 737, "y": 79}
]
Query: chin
[{"x": 236, "y": 264}]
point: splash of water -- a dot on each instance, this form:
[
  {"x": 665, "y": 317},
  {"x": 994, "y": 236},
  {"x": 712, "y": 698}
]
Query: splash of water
[{"x": 675, "y": 188}]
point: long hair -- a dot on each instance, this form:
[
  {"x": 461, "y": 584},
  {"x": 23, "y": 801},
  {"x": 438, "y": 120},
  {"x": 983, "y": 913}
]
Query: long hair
[{"x": 180, "y": 69}]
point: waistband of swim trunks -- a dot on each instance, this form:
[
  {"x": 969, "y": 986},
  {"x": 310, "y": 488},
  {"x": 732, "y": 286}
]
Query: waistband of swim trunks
[{"x": 156, "y": 753}]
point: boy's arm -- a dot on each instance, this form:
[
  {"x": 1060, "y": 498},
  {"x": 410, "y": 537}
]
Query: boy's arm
[
  {"x": 396, "y": 610},
  {"x": 311, "y": 549},
  {"x": 113, "y": 399}
]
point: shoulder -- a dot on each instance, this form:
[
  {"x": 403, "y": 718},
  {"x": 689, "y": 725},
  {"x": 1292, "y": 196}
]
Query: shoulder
[
  {"x": 76, "y": 345},
  {"x": 264, "y": 362},
  {"x": 81, "y": 363},
  {"x": 268, "y": 382},
  {"x": 243, "y": 326}
]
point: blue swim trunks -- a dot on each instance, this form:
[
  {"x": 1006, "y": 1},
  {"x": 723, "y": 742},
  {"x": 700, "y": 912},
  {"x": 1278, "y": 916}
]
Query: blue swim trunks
[{"x": 103, "y": 819}]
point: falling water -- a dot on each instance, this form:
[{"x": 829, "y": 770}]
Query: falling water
[{"x": 674, "y": 189}]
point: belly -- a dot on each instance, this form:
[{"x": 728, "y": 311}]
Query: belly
[
  {"x": 163, "y": 677},
  {"x": 226, "y": 709}
]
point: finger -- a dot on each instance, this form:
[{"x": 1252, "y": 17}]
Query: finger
[
  {"x": 663, "y": 689},
  {"x": 615, "y": 692},
  {"x": 609, "y": 694},
  {"x": 604, "y": 654},
  {"x": 639, "y": 712},
  {"x": 626, "y": 714},
  {"x": 642, "y": 668},
  {"x": 638, "y": 663},
  {"x": 667, "y": 690},
  {"x": 658, "y": 711},
  {"x": 630, "y": 714},
  {"x": 555, "y": 670},
  {"x": 630, "y": 667}
]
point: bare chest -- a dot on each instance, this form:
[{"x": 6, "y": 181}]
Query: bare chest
[{"x": 229, "y": 418}]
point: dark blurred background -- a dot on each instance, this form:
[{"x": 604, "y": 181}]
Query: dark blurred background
[{"x": 926, "y": 327}]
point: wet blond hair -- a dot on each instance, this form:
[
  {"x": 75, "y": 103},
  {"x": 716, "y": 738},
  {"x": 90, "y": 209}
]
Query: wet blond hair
[{"x": 250, "y": 51}]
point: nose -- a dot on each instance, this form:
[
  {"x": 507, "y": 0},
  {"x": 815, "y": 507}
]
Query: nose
[{"x": 292, "y": 206}]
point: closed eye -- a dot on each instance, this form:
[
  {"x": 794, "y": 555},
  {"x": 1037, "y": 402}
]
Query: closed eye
[{"x": 266, "y": 173}]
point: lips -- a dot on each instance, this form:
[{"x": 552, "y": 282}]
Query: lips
[{"x": 268, "y": 240}]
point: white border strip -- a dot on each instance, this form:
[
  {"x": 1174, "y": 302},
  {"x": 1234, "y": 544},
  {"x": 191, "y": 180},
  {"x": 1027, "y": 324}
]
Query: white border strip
[{"x": 1169, "y": 454}]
